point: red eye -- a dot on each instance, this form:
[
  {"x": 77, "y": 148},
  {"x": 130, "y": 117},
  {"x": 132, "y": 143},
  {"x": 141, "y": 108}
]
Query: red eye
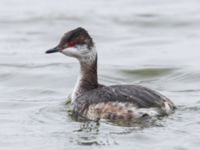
[{"x": 71, "y": 43}]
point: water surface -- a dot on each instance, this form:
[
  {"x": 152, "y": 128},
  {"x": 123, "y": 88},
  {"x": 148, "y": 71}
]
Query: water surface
[{"x": 153, "y": 43}]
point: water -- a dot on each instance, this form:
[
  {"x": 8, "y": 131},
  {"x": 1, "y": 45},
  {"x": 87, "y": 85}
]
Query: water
[{"x": 154, "y": 43}]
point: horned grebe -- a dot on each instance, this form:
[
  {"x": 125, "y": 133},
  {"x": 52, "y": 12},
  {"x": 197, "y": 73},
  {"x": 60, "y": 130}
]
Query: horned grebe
[{"x": 95, "y": 101}]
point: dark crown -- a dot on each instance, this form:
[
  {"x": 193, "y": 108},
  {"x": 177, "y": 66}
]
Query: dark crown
[{"x": 79, "y": 35}]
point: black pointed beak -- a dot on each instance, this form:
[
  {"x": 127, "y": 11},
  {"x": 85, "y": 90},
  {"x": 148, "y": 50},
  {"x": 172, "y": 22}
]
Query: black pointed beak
[{"x": 53, "y": 50}]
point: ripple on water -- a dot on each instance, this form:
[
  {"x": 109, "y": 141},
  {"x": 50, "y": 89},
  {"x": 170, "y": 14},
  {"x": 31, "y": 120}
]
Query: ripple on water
[
  {"x": 34, "y": 66},
  {"x": 123, "y": 74},
  {"x": 191, "y": 109},
  {"x": 33, "y": 114},
  {"x": 49, "y": 114},
  {"x": 148, "y": 72},
  {"x": 155, "y": 21},
  {"x": 42, "y": 19}
]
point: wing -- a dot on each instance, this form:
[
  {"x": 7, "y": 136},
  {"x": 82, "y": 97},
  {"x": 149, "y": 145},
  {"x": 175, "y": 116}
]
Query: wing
[{"x": 140, "y": 96}]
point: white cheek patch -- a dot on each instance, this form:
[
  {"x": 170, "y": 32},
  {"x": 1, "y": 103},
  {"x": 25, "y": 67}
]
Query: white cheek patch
[
  {"x": 72, "y": 52},
  {"x": 81, "y": 52}
]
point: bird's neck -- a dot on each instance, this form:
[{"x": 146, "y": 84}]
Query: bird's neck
[
  {"x": 88, "y": 74},
  {"x": 87, "y": 79}
]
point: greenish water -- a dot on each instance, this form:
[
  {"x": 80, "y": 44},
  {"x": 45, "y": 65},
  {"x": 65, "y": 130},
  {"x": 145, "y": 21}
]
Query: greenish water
[{"x": 153, "y": 43}]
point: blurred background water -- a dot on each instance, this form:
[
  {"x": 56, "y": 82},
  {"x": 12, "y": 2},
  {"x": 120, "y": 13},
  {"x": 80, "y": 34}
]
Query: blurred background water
[{"x": 150, "y": 42}]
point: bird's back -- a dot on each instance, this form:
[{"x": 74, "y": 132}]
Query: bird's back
[{"x": 132, "y": 101}]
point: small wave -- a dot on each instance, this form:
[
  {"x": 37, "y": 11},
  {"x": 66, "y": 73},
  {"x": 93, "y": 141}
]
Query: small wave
[
  {"x": 42, "y": 19},
  {"x": 149, "y": 72},
  {"x": 32, "y": 66},
  {"x": 184, "y": 108},
  {"x": 51, "y": 113},
  {"x": 187, "y": 91},
  {"x": 155, "y": 21},
  {"x": 185, "y": 76}
]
